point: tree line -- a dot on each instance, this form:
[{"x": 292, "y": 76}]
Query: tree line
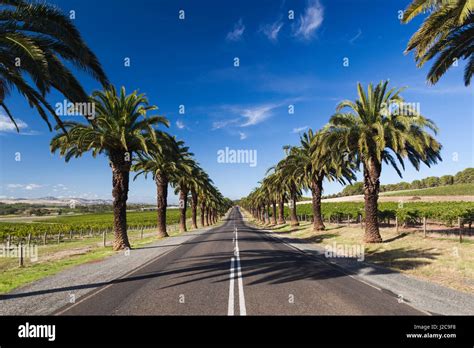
[
  {"x": 465, "y": 176},
  {"x": 38, "y": 43}
]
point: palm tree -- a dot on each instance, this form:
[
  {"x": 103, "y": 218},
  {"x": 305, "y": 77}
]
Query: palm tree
[
  {"x": 292, "y": 181},
  {"x": 36, "y": 43},
  {"x": 315, "y": 162},
  {"x": 199, "y": 185},
  {"x": 119, "y": 129},
  {"x": 181, "y": 181},
  {"x": 447, "y": 34},
  {"x": 162, "y": 161},
  {"x": 381, "y": 127}
]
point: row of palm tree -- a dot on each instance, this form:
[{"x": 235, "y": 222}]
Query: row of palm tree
[
  {"x": 37, "y": 43},
  {"x": 123, "y": 131},
  {"x": 366, "y": 133}
]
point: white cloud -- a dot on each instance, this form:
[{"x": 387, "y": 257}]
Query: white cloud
[
  {"x": 310, "y": 21},
  {"x": 271, "y": 31},
  {"x": 257, "y": 114},
  {"x": 242, "y": 135},
  {"x": 6, "y": 125},
  {"x": 300, "y": 129},
  {"x": 237, "y": 32},
  {"x": 180, "y": 124},
  {"x": 28, "y": 187}
]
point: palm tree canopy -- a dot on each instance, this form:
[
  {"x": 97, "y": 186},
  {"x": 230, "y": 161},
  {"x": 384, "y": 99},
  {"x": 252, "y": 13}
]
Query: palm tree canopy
[
  {"x": 381, "y": 126},
  {"x": 446, "y": 35},
  {"x": 120, "y": 126},
  {"x": 36, "y": 40}
]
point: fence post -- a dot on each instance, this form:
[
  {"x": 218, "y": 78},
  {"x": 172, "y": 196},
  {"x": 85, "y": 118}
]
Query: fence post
[
  {"x": 70, "y": 235},
  {"x": 460, "y": 230},
  {"x": 44, "y": 238},
  {"x": 9, "y": 239},
  {"x": 348, "y": 220},
  {"x": 59, "y": 238},
  {"x": 29, "y": 239},
  {"x": 396, "y": 224},
  {"x": 424, "y": 226},
  {"x": 20, "y": 247},
  {"x": 141, "y": 234},
  {"x": 104, "y": 238}
]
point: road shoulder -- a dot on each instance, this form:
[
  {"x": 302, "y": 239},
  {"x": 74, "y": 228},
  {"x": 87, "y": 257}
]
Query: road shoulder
[{"x": 47, "y": 295}]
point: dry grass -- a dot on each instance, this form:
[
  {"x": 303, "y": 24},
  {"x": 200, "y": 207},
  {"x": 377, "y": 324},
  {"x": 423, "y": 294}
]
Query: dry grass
[{"x": 435, "y": 258}]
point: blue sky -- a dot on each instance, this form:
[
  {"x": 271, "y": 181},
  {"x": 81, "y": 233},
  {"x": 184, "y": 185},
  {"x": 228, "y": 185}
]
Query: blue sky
[{"x": 282, "y": 62}]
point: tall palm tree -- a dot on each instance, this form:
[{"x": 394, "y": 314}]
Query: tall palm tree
[
  {"x": 181, "y": 181},
  {"x": 315, "y": 162},
  {"x": 36, "y": 43},
  {"x": 199, "y": 185},
  {"x": 446, "y": 35},
  {"x": 292, "y": 181},
  {"x": 119, "y": 129},
  {"x": 381, "y": 127},
  {"x": 162, "y": 161}
]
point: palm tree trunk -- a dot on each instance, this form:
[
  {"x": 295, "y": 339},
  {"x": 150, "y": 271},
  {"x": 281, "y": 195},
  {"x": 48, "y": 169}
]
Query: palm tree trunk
[
  {"x": 274, "y": 213},
  {"x": 203, "y": 213},
  {"x": 372, "y": 171},
  {"x": 294, "y": 217},
  {"x": 161, "y": 203},
  {"x": 183, "y": 202},
  {"x": 316, "y": 191},
  {"x": 207, "y": 216},
  {"x": 281, "y": 212},
  {"x": 194, "y": 204},
  {"x": 120, "y": 181}
]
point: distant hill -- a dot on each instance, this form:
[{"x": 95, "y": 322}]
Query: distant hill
[
  {"x": 56, "y": 201},
  {"x": 449, "y": 190}
]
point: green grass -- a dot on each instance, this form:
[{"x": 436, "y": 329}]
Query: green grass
[
  {"x": 450, "y": 190},
  {"x": 88, "y": 249},
  {"x": 437, "y": 259}
]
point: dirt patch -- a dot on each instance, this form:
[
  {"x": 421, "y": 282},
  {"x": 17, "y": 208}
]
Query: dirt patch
[{"x": 65, "y": 254}]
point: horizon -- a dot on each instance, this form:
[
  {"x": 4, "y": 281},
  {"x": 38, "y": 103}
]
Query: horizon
[{"x": 290, "y": 77}]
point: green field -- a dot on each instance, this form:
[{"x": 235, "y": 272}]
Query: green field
[
  {"x": 450, "y": 190},
  {"x": 83, "y": 223},
  {"x": 447, "y": 212}
]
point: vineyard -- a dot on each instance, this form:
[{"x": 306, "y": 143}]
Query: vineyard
[
  {"x": 448, "y": 213},
  {"x": 82, "y": 225}
]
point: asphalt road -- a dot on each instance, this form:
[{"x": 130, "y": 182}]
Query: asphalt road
[{"x": 235, "y": 269}]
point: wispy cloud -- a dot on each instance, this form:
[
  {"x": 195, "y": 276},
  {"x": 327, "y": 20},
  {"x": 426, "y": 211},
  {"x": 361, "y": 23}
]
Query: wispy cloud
[
  {"x": 257, "y": 114},
  {"x": 359, "y": 33},
  {"x": 242, "y": 135},
  {"x": 299, "y": 129},
  {"x": 311, "y": 20},
  {"x": 237, "y": 32},
  {"x": 224, "y": 123},
  {"x": 7, "y": 126},
  {"x": 247, "y": 115},
  {"x": 272, "y": 30},
  {"x": 28, "y": 187}
]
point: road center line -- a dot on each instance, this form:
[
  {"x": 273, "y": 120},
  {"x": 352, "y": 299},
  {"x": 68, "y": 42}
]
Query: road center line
[
  {"x": 230, "y": 310},
  {"x": 236, "y": 270}
]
